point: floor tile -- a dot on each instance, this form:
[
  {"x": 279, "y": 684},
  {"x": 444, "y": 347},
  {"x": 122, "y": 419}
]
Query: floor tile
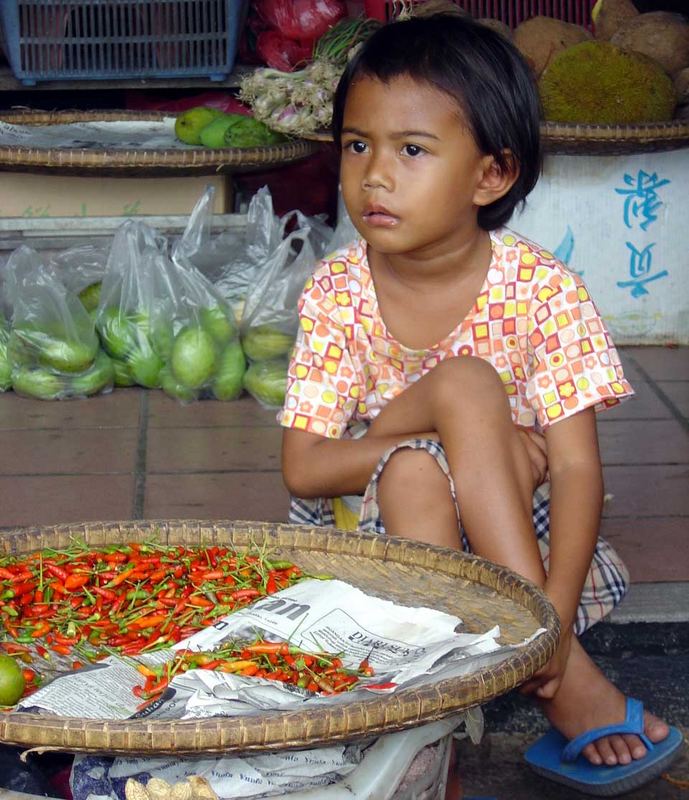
[
  {"x": 643, "y": 442},
  {"x": 210, "y": 449},
  {"x": 49, "y": 500},
  {"x": 61, "y": 450},
  {"x": 650, "y": 547},
  {"x": 232, "y": 495},
  {"x": 678, "y": 392},
  {"x": 647, "y": 491},
  {"x": 645, "y": 404},
  {"x": 119, "y": 409},
  {"x": 662, "y": 363},
  {"x": 164, "y": 412}
]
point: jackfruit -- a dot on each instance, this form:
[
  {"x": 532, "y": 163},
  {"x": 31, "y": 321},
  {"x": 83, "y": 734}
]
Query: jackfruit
[
  {"x": 597, "y": 83},
  {"x": 540, "y": 39}
]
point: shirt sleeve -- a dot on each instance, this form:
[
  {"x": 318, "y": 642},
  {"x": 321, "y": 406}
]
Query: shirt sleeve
[
  {"x": 322, "y": 385},
  {"x": 572, "y": 361}
]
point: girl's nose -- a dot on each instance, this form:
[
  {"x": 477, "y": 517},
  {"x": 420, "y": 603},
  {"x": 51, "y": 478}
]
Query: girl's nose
[{"x": 377, "y": 174}]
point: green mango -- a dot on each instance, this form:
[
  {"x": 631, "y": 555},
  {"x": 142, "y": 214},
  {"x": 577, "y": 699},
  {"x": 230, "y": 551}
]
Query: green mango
[
  {"x": 173, "y": 388},
  {"x": 228, "y": 381},
  {"x": 213, "y": 135},
  {"x": 219, "y": 322},
  {"x": 194, "y": 357},
  {"x": 117, "y": 332},
  {"x": 264, "y": 342},
  {"x": 90, "y": 296},
  {"x": 250, "y": 132},
  {"x": 190, "y": 123},
  {"x": 5, "y": 363},
  {"x": 65, "y": 356},
  {"x": 94, "y": 380},
  {"x": 39, "y": 383},
  {"x": 267, "y": 382},
  {"x": 122, "y": 373},
  {"x": 145, "y": 366}
]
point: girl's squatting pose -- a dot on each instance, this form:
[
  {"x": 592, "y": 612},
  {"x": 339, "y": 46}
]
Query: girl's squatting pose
[{"x": 433, "y": 349}]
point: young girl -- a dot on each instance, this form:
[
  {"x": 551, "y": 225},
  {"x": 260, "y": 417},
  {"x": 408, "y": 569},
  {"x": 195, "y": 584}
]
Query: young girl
[{"x": 434, "y": 350}]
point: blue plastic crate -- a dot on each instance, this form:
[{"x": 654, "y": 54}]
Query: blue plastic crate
[{"x": 48, "y": 40}]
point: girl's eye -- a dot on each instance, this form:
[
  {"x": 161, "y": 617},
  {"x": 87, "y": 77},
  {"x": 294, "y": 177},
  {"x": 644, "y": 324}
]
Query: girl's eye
[
  {"x": 412, "y": 150},
  {"x": 356, "y": 147}
]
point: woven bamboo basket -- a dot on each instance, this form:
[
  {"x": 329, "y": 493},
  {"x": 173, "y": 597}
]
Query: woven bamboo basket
[
  {"x": 410, "y": 573},
  {"x": 599, "y": 140},
  {"x": 187, "y": 161}
]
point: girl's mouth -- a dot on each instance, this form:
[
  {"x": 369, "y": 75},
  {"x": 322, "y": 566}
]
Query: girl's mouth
[{"x": 379, "y": 217}]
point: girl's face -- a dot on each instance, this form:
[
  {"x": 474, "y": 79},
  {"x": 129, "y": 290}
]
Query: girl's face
[{"x": 410, "y": 170}]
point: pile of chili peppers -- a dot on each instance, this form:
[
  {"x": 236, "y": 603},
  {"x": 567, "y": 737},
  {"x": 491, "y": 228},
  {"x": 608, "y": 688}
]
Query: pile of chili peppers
[
  {"x": 129, "y": 599},
  {"x": 322, "y": 673}
]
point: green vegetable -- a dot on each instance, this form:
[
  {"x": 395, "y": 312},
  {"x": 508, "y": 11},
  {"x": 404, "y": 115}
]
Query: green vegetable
[
  {"x": 38, "y": 383},
  {"x": 90, "y": 296},
  {"x": 95, "y": 379},
  {"x": 194, "y": 357},
  {"x": 172, "y": 387},
  {"x": 267, "y": 381},
  {"x": 265, "y": 342},
  {"x": 227, "y": 384},
  {"x": 219, "y": 322},
  {"x": 162, "y": 338}
]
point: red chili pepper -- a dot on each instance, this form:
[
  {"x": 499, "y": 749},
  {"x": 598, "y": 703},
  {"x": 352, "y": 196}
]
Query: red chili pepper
[
  {"x": 121, "y": 577},
  {"x": 106, "y": 594},
  {"x": 63, "y": 649},
  {"x": 271, "y": 585},
  {"x": 151, "y": 620},
  {"x": 56, "y": 571},
  {"x": 245, "y": 594},
  {"x": 75, "y": 581},
  {"x": 40, "y": 630},
  {"x": 200, "y": 601},
  {"x": 6, "y": 574}
]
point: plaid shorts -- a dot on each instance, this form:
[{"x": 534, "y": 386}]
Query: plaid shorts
[{"x": 607, "y": 580}]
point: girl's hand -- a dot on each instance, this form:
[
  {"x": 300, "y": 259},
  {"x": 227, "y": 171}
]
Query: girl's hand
[
  {"x": 546, "y": 681},
  {"x": 535, "y": 446}
]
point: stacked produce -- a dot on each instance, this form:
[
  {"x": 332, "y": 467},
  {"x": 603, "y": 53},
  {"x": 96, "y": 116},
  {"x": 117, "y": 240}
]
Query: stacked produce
[
  {"x": 52, "y": 348},
  {"x": 213, "y": 128},
  {"x": 629, "y": 72},
  {"x": 86, "y": 603}
]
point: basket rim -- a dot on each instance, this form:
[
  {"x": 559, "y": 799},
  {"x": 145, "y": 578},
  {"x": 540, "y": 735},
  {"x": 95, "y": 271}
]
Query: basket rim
[
  {"x": 201, "y": 159},
  {"x": 277, "y": 730}
]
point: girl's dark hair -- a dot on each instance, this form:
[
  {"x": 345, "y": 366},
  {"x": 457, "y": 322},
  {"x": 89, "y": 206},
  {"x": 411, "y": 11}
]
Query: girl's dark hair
[{"x": 485, "y": 75}]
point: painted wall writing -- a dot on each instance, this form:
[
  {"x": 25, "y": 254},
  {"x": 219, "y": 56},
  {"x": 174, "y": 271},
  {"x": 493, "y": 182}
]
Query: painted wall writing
[{"x": 622, "y": 223}]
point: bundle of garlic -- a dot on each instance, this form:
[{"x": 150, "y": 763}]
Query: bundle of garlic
[{"x": 193, "y": 788}]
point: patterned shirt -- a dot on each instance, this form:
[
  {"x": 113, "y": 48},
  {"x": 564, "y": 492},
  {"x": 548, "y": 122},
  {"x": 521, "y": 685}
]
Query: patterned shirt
[{"x": 533, "y": 320}]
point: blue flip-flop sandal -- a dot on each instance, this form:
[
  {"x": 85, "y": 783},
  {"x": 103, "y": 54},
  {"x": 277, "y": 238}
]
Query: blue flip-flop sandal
[{"x": 559, "y": 760}]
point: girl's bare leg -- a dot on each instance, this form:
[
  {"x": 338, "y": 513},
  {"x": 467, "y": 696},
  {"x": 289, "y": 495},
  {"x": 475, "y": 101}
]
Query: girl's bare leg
[{"x": 467, "y": 405}]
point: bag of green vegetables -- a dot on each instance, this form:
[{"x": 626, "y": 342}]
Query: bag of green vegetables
[{"x": 52, "y": 346}]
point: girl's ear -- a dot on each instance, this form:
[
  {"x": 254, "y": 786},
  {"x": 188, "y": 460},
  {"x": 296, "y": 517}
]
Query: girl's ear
[{"x": 494, "y": 181}]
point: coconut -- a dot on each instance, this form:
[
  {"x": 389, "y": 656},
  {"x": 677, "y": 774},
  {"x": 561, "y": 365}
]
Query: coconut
[
  {"x": 597, "y": 83},
  {"x": 609, "y": 15},
  {"x": 659, "y": 35},
  {"x": 540, "y": 39}
]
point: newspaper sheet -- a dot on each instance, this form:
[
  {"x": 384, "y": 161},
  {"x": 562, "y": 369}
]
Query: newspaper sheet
[{"x": 104, "y": 135}]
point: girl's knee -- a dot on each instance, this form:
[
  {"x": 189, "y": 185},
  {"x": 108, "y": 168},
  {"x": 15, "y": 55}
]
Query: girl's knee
[{"x": 409, "y": 470}]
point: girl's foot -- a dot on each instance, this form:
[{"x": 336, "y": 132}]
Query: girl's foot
[{"x": 586, "y": 699}]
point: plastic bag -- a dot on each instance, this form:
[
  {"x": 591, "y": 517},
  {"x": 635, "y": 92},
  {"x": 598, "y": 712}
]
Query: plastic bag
[
  {"x": 135, "y": 305},
  {"x": 81, "y": 270},
  {"x": 231, "y": 259},
  {"x": 164, "y": 324},
  {"x": 52, "y": 347},
  {"x": 301, "y": 19},
  {"x": 270, "y": 319}
]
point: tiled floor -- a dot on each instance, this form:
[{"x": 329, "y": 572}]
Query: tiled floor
[{"x": 139, "y": 454}]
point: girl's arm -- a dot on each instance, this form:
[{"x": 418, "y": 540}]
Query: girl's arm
[
  {"x": 576, "y": 501},
  {"x": 314, "y": 466}
]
